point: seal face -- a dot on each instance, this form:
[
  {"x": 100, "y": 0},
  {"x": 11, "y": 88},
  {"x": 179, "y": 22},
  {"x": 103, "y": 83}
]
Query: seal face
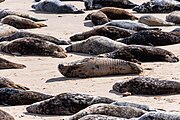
[
  {"x": 174, "y": 17},
  {"x": 93, "y": 67},
  {"x": 66, "y": 104},
  {"x": 5, "y": 116},
  {"x": 32, "y": 46},
  {"x": 142, "y": 54},
  {"x": 147, "y": 86}
]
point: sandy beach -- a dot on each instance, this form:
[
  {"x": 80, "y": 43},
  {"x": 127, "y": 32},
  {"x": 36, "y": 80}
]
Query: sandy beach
[{"x": 42, "y": 75}]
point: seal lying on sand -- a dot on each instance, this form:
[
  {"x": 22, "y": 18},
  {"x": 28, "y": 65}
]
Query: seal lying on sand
[
  {"x": 147, "y": 86},
  {"x": 111, "y": 32},
  {"x": 7, "y": 83},
  {"x": 176, "y": 31},
  {"x": 22, "y": 34},
  {"x": 66, "y": 104},
  {"x": 5, "y": 116},
  {"x": 6, "y": 12},
  {"x": 32, "y": 46},
  {"x": 97, "y": 4},
  {"x": 109, "y": 109},
  {"x": 142, "y": 54},
  {"x": 154, "y": 21},
  {"x": 5, "y": 64},
  {"x": 94, "y": 67},
  {"x": 174, "y": 17},
  {"x": 151, "y": 37},
  {"x": 6, "y": 30},
  {"x": 95, "y": 45},
  {"x": 128, "y": 24},
  {"x": 55, "y": 6},
  {"x": 21, "y": 23},
  {"x": 11, "y": 96}
]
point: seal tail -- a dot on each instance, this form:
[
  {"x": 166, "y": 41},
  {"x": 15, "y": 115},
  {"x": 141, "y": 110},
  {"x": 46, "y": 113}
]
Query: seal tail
[
  {"x": 38, "y": 19},
  {"x": 17, "y": 86},
  {"x": 41, "y": 25}
]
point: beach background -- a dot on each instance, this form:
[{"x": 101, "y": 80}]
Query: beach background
[{"x": 42, "y": 75}]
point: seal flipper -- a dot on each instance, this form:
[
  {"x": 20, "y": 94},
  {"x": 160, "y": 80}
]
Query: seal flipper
[{"x": 79, "y": 11}]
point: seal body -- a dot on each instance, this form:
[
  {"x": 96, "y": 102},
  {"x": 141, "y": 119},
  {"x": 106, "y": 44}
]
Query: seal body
[
  {"x": 174, "y": 17},
  {"x": 147, "y": 86},
  {"x": 111, "y": 32},
  {"x": 5, "y": 116},
  {"x": 6, "y": 30},
  {"x": 32, "y": 46},
  {"x": 94, "y": 67},
  {"x": 21, "y": 23},
  {"x": 66, "y": 104},
  {"x": 142, "y": 54},
  {"x": 151, "y": 37},
  {"x": 11, "y": 96}
]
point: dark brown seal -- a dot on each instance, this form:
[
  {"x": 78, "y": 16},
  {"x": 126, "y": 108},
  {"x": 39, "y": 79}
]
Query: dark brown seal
[
  {"x": 147, "y": 86},
  {"x": 66, "y": 104},
  {"x": 5, "y": 116}
]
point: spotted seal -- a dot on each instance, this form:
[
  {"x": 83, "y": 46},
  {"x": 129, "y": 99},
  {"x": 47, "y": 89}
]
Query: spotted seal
[
  {"x": 111, "y": 32},
  {"x": 55, "y": 6},
  {"x": 11, "y": 96},
  {"x": 147, "y": 86},
  {"x": 5, "y": 116},
  {"x": 174, "y": 17},
  {"x": 151, "y": 37},
  {"x": 94, "y": 67},
  {"x": 32, "y": 46},
  {"x": 6, "y": 30},
  {"x": 21, "y": 23},
  {"x": 6, "y": 64},
  {"x": 95, "y": 45},
  {"x": 142, "y": 53},
  {"x": 66, "y": 104},
  {"x": 154, "y": 21}
]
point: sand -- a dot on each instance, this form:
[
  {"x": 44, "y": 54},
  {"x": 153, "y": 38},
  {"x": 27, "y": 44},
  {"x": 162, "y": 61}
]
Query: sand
[{"x": 41, "y": 73}]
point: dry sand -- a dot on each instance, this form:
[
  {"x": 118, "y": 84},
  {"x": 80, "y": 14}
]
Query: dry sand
[{"x": 42, "y": 75}]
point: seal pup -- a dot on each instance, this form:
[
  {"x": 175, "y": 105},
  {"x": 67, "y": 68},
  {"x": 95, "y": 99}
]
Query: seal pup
[
  {"x": 132, "y": 25},
  {"x": 22, "y": 34},
  {"x": 11, "y": 96},
  {"x": 5, "y": 116},
  {"x": 109, "y": 109},
  {"x": 97, "y": 4},
  {"x": 7, "y": 83},
  {"x": 94, "y": 67},
  {"x": 6, "y": 30},
  {"x": 154, "y": 21},
  {"x": 21, "y": 23},
  {"x": 66, "y": 104},
  {"x": 6, "y": 64},
  {"x": 102, "y": 117},
  {"x": 111, "y": 32},
  {"x": 32, "y": 46},
  {"x": 142, "y": 54},
  {"x": 55, "y": 6},
  {"x": 95, "y": 45},
  {"x": 147, "y": 86},
  {"x": 174, "y": 17}
]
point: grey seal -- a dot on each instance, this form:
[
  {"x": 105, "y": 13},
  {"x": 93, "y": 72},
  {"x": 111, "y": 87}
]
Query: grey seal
[
  {"x": 5, "y": 116},
  {"x": 66, "y": 104},
  {"x": 174, "y": 17},
  {"x": 147, "y": 86},
  {"x": 94, "y": 67},
  {"x": 6, "y": 30}
]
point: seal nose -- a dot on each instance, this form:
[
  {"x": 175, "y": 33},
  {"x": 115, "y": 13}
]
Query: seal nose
[
  {"x": 60, "y": 66},
  {"x": 33, "y": 6}
]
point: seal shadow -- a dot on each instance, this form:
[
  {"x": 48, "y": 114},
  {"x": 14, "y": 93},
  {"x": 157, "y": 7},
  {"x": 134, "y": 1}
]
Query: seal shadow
[
  {"x": 58, "y": 79},
  {"x": 88, "y": 24}
]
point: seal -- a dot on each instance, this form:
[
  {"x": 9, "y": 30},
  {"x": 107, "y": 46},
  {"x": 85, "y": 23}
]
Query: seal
[
  {"x": 154, "y": 21},
  {"x": 11, "y": 96},
  {"x": 97, "y": 4},
  {"x": 6, "y": 30},
  {"x": 22, "y": 34},
  {"x": 111, "y": 32},
  {"x": 142, "y": 53},
  {"x": 6, "y": 12},
  {"x": 176, "y": 31},
  {"x": 32, "y": 46},
  {"x": 174, "y": 17},
  {"x": 157, "y": 6},
  {"x": 7, "y": 83},
  {"x": 132, "y": 25},
  {"x": 151, "y": 37},
  {"x": 147, "y": 86},
  {"x": 94, "y": 67},
  {"x": 109, "y": 109},
  {"x": 55, "y": 6},
  {"x": 95, "y": 45},
  {"x": 5, "y": 116},
  {"x": 6, "y": 64},
  {"x": 66, "y": 104},
  {"x": 21, "y": 23}
]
